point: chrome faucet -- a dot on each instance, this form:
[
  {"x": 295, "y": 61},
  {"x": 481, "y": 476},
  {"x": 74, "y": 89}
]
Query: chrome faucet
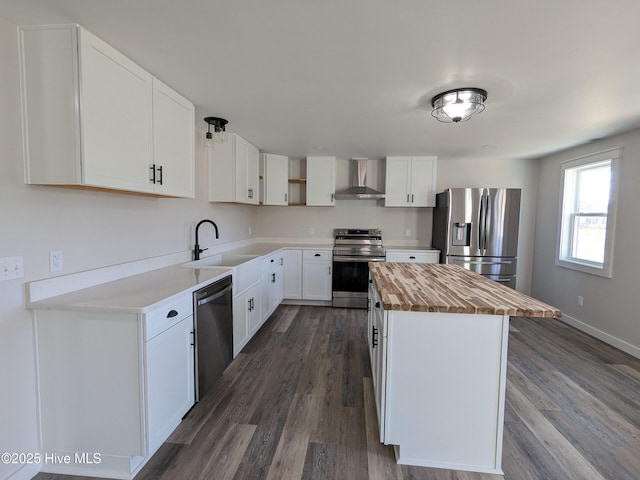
[{"x": 197, "y": 250}]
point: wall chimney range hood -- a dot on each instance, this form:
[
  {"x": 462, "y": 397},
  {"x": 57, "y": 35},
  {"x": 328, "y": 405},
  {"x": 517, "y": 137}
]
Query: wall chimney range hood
[{"x": 358, "y": 189}]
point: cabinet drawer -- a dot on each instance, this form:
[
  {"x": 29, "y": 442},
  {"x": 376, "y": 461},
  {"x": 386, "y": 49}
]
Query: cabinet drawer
[
  {"x": 271, "y": 260},
  {"x": 410, "y": 256},
  {"x": 317, "y": 254},
  {"x": 167, "y": 315}
]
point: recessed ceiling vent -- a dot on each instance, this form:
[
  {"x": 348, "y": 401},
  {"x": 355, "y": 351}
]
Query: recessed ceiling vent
[{"x": 358, "y": 189}]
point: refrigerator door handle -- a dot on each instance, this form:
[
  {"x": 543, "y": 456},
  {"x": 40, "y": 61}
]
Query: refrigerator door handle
[
  {"x": 482, "y": 223},
  {"x": 471, "y": 262},
  {"x": 487, "y": 219}
]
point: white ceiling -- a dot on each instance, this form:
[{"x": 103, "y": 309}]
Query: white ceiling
[{"x": 354, "y": 78}]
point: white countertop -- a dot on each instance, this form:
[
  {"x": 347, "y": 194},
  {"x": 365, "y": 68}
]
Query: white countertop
[
  {"x": 135, "y": 294},
  {"x": 144, "y": 292}
]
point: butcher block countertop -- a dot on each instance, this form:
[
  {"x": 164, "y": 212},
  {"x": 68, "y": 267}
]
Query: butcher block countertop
[{"x": 444, "y": 288}]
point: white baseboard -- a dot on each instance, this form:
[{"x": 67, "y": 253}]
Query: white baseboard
[{"x": 600, "y": 335}]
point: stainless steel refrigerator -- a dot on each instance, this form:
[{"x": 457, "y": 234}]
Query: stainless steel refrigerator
[{"x": 477, "y": 228}]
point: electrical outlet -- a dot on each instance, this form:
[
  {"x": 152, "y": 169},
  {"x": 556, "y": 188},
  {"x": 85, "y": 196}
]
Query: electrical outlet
[
  {"x": 11, "y": 267},
  {"x": 407, "y": 232},
  {"x": 55, "y": 261},
  {"x": 312, "y": 231},
  {"x": 580, "y": 301},
  {"x": 249, "y": 231}
]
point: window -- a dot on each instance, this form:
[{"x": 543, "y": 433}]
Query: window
[{"x": 587, "y": 213}]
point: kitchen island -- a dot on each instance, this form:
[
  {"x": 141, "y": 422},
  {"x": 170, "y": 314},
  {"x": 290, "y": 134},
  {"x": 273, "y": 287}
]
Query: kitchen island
[{"x": 438, "y": 346}]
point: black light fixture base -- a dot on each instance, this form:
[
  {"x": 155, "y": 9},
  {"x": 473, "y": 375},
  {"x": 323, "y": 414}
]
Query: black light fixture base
[{"x": 217, "y": 122}]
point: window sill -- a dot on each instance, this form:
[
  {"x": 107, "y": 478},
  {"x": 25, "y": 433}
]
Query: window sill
[{"x": 604, "y": 271}]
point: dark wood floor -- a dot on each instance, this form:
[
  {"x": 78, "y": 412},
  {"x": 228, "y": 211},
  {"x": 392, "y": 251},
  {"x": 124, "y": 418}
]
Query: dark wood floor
[{"x": 297, "y": 403}]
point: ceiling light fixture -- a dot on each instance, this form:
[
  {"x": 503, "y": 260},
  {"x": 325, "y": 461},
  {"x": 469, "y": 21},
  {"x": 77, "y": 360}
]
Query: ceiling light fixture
[
  {"x": 458, "y": 105},
  {"x": 219, "y": 135}
]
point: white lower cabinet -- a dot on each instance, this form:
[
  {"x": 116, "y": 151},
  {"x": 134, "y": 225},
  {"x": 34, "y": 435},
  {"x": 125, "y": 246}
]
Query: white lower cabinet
[
  {"x": 413, "y": 256},
  {"x": 169, "y": 388},
  {"x": 113, "y": 383},
  {"x": 272, "y": 284},
  {"x": 246, "y": 316},
  {"x": 316, "y": 274},
  {"x": 292, "y": 274},
  {"x": 377, "y": 339},
  {"x": 439, "y": 382},
  {"x": 246, "y": 302}
]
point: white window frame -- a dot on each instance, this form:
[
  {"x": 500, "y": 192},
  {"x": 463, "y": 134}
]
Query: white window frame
[{"x": 566, "y": 216}]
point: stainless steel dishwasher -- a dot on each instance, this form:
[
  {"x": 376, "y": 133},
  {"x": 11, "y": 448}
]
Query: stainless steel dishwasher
[{"x": 213, "y": 333}]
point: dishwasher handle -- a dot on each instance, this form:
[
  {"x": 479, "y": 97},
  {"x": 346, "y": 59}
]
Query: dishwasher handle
[{"x": 210, "y": 298}]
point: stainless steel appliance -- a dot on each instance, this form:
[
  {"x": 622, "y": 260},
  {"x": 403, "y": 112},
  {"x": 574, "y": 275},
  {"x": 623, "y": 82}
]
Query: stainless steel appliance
[
  {"x": 477, "y": 228},
  {"x": 352, "y": 250},
  {"x": 213, "y": 333},
  {"x": 359, "y": 189}
]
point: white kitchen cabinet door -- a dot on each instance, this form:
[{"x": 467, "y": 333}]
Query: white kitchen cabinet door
[
  {"x": 170, "y": 380},
  {"x": 247, "y": 172},
  {"x": 316, "y": 279},
  {"x": 254, "y": 310},
  {"x": 410, "y": 181},
  {"x": 272, "y": 285},
  {"x": 292, "y": 274},
  {"x": 321, "y": 181},
  {"x": 379, "y": 362},
  {"x": 234, "y": 171},
  {"x": 397, "y": 189},
  {"x": 173, "y": 142},
  {"x": 246, "y": 315},
  {"x": 423, "y": 181},
  {"x": 275, "y": 179},
  {"x": 116, "y": 118}
]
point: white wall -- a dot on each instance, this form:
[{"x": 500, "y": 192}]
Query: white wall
[
  {"x": 296, "y": 221},
  {"x": 92, "y": 229},
  {"x": 609, "y": 303}
]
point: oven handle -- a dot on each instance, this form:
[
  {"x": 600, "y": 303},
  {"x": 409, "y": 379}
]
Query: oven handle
[{"x": 358, "y": 259}]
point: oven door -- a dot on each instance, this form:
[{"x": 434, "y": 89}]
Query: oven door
[{"x": 350, "y": 281}]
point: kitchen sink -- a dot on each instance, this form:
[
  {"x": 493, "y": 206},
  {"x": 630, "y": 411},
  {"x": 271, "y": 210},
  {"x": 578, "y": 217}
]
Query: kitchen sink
[
  {"x": 246, "y": 269},
  {"x": 229, "y": 260}
]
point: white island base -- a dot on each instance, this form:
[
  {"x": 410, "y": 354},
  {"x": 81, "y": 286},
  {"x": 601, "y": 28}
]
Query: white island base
[{"x": 440, "y": 388}]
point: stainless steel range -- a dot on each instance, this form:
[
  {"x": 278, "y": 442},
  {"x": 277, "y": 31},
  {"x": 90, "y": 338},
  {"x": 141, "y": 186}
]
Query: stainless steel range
[{"x": 353, "y": 248}]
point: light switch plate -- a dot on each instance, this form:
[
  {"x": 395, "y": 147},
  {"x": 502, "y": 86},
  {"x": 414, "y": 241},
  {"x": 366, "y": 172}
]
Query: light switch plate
[{"x": 11, "y": 267}]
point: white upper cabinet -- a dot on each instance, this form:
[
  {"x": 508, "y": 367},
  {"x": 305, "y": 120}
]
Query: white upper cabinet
[
  {"x": 275, "y": 179},
  {"x": 410, "y": 182},
  {"x": 233, "y": 171},
  {"x": 321, "y": 181},
  {"x": 91, "y": 123},
  {"x": 173, "y": 141}
]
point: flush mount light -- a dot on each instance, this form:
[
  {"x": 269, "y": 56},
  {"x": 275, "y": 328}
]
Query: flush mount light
[
  {"x": 458, "y": 105},
  {"x": 218, "y": 135}
]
